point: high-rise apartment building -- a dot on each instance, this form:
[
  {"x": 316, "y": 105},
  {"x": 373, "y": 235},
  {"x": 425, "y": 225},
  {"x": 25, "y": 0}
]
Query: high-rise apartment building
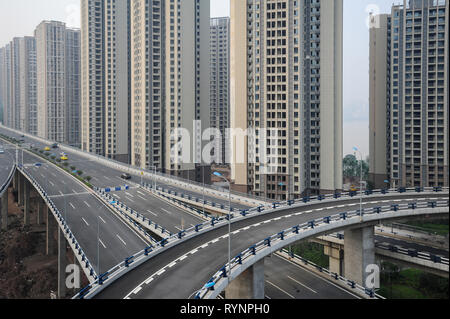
[
  {"x": 56, "y": 52},
  {"x": 105, "y": 75},
  {"x": 286, "y": 80},
  {"x": 18, "y": 84},
  {"x": 409, "y": 95},
  {"x": 73, "y": 86},
  {"x": 147, "y": 83},
  {"x": 220, "y": 84},
  {"x": 170, "y": 84},
  {"x": 5, "y": 85},
  {"x": 27, "y": 86}
]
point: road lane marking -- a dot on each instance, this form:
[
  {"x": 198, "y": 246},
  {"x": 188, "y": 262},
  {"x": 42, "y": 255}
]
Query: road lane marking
[
  {"x": 87, "y": 204},
  {"x": 102, "y": 243},
  {"x": 85, "y": 221},
  {"x": 102, "y": 219},
  {"x": 280, "y": 289},
  {"x": 165, "y": 210},
  {"x": 152, "y": 213},
  {"x": 149, "y": 281},
  {"x": 121, "y": 240},
  {"x": 172, "y": 264},
  {"x": 71, "y": 205},
  {"x": 296, "y": 281}
]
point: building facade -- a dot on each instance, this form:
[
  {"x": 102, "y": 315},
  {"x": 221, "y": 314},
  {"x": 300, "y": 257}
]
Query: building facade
[
  {"x": 170, "y": 85},
  {"x": 220, "y": 85},
  {"x": 417, "y": 96},
  {"x": 105, "y": 91},
  {"x": 286, "y": 85},
  {"x": 57, "y": 79}
]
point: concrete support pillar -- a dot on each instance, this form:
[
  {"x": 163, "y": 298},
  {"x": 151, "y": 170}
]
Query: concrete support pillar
[
  {"x": 359, "y": 253},
  {"x": 336, "y": 256},
  {"x": 26, "y": 202},
  {"x": 62, "y": 264},
  {"x": 50, "y": 239},
  {"x": 40, "y": 211},
  {"x": 4, "y": 211},
  {"x": 249, "y": 285},
  {"x": 20, "y": 189},
  {"x": 15, "y": 180}
]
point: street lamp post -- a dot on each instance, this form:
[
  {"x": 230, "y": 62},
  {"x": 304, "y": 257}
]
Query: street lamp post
[
  {"x": 360, "y": 183},
  {"x": 229, "y": 221}
]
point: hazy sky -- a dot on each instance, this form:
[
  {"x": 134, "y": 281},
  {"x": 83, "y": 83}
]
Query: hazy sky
[{"x": 20, "y": 17}]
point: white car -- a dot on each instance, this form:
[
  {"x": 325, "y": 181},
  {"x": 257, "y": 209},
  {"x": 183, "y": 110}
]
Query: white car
[{"x": 2, "y": 151}]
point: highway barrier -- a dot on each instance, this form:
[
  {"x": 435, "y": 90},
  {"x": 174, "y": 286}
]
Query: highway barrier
[
  {"x": 153, "y": 250},
  {"x": 297, "y": 232},
  {"x": 5, "y": 185}
]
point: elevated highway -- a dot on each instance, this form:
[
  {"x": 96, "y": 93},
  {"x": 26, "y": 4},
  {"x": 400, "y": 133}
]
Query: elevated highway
[{"x": 207, "y": 250}]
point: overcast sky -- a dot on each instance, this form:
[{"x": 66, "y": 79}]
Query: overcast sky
[{"x": 20, "y": 17}]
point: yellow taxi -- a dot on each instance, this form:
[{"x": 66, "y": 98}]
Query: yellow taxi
[
  {"x": 64, "y": 158},
  {"x": 47, "y": 149}
]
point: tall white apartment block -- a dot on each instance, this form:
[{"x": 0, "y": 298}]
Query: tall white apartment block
[
  {"x": 147, "y": 83},
  {"x": 27, "y": 86},
  {"x": 55, "y": 67},
  {"x": 169, "y": 84},
  {"x": 220, "y": 84},
  {"x": 73, "y": 87},
  {"x": 187, "y": 77},
  {"x": 286, "y": 80},
  {"x": 105, "y": 78},
  {"x": 416, "y": 110}
]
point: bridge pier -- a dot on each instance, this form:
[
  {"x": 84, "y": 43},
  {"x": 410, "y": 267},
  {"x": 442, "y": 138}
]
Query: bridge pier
[
  {"x": 20, "y": 189},
  {"x": 40, "y": 211},
  {"x": 249, "y": 285},
  {"x": 335, "y": 253},
  {"x": 4, "y": 211},
  {"x": 50, "y": 233},
  {"x": 26, "y": 202},
  {"x": 359, "y": 253},
  {"x": 62, "y": 264}
]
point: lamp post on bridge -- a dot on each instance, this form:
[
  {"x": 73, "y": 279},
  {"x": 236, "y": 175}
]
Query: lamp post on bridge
[{"x": 360, "y": 183}]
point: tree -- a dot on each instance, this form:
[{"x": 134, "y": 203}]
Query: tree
[{"x": 352, "y": 167}]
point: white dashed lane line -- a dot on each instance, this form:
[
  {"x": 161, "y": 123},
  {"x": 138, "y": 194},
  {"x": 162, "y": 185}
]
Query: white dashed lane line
[
  {"x": 121, "y": 240},
  {"x": 85, "y": 221}
]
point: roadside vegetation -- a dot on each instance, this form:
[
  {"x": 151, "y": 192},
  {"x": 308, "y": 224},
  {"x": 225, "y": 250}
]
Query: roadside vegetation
[{"x": 411, "y": 284}]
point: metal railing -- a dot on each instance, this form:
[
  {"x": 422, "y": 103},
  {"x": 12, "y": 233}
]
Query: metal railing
[
  {"x": 153, "y": 250},
  {"x": 404, "y": 251},
  {"x": 171, "y": 179},
  {"x": 4, "y": 187},
  {"x": 262, "y": 248},
  {"x": 133, "y": 216},
  {"x": 334, "y": 276}
]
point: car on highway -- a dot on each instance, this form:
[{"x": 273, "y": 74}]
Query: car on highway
[
  {"x": 55, "y": 145},
  {"x": 126, "y": 176},
  {"x": 2, "y": 151},
  {"x": 47, "y": 149},
  {"x": 64, "y": 158}
]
